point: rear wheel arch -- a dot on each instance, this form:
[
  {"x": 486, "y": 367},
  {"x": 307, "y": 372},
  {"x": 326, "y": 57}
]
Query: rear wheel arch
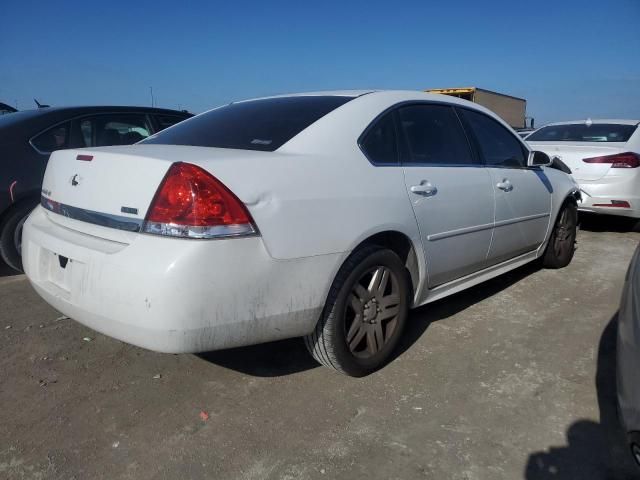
[
  {"x": 575, "y": 197},
  {"x": 402, "y": 246}
]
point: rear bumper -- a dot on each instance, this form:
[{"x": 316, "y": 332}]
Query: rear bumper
[
  {"x": 175, "y": 295},
  {"x": 611, "y": 187}
]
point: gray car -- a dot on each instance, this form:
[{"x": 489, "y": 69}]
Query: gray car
[{"x": 628, "y": 351}]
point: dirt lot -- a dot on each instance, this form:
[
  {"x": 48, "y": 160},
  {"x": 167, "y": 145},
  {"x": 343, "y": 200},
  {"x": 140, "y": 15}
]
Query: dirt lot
[{"x": 512, "y": 379}]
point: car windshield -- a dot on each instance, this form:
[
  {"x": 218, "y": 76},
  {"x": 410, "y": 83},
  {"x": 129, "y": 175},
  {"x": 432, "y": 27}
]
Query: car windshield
[
  {"x": 265, "y": 124},
  {"x": 583, "y": 132}
]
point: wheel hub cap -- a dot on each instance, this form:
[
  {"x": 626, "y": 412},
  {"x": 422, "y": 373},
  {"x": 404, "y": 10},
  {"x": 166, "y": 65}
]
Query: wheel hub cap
[{"x": 371, "y": 311}]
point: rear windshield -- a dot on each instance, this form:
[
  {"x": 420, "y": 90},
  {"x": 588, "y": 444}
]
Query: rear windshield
[
  {"x": 252, "y": 125},
  {"x": 581, "y": 132}
]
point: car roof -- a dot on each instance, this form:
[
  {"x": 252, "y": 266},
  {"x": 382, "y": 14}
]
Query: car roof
[
  {"x": 595, "y": 121},
  {"x": 103, "y": 108},
  {"x": 395, "y": 95},
  {"x": 320, "y": 93}
]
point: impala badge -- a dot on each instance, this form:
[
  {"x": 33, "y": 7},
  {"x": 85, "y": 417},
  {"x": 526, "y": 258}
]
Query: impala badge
[{"x": 75, "y": 180}]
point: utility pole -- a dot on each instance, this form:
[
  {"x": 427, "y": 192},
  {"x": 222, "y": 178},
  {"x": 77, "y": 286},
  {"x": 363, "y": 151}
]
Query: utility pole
[{"x": 151, "y": 91}]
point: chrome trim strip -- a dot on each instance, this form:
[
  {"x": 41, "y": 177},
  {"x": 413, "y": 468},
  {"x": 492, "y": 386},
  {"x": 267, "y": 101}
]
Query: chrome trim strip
[
  {"x": 459, "y": 231},
  {"x": 90, "y": 216},
  {"x": 486, "y": 226},
  {"x": 510, "y": 221}
]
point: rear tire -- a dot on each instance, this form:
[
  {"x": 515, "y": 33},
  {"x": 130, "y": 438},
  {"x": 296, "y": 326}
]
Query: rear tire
[
  {"x": 561, "y": 246},
  {"x": 11, "y": 234},
  {"x": 365, "y": 313}
]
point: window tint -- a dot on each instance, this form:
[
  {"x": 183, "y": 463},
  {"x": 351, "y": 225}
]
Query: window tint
[
  {"x": 251, "y": 125},
  {"x": 165, "y": 121},
  {"x": 111, "y": 129},
  {"x": 582, "y": 132},
  {"x": 498, "y": 145},
  {"x": 55, "y": 138},
  {"x": 379, "y": 144},
  {"x": 433, "y": 135}
]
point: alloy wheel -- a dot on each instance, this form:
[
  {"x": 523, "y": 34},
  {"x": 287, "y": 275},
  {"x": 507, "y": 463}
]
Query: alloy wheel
[
  {"x": 372, "y": 312},
  {"x": 564, "y": 232}
]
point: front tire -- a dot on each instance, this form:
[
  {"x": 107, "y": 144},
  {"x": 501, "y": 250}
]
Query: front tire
[
  {"x": 561, "y": 246},
  {"x": 11, "y": 234},
  {"x": 365, "y": 313}
]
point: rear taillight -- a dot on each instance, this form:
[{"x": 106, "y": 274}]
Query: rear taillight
[
  {"x": 619, "y": 160},
  {"x": 192, "y": 203}
]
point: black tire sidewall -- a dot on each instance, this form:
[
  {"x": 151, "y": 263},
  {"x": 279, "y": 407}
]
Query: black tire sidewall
[
  {"x": 8, "y": 226},
  {"x": 362, "y": 366},
  {"x": 551, "y": 260}
]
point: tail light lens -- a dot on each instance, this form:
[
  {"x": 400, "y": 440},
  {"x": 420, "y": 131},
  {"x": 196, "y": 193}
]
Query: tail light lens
[
  {"x": 619, "y": 160},
  {"x": 192, "y": 203}
]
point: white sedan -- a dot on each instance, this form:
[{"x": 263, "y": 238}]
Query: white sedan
[
  {"x": 322, "y": 215},
  {"x": 604, "y": 157}
]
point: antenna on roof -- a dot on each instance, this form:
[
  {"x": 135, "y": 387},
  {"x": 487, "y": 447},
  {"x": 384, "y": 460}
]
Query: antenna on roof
[
  {"x": 40, "y": 105},
  {"x": 151, "y": 91}
]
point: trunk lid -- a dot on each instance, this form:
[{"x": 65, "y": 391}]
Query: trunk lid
[
  {"x": 114, "y": 181},
  {"x": 122, "y": 181},
  {"x": 572, "y": 154}
]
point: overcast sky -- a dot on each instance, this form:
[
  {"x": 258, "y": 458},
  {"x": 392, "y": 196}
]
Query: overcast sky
[{"x": 569, "y": 59}]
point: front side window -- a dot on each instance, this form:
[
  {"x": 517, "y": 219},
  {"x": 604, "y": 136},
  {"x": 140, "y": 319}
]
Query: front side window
[
  {"x": 498, "y": 146},
  {"x": 433, "y": 135},
  {"x": 583, "y": 132},
  {"x": 264, "y": 125},
  {"x": 379, "y": 143},
  {"x": 56, "y": 138}
]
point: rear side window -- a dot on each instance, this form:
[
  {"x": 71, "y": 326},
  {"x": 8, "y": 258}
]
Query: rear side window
[
  {"x": 166, "y": 121},
  {"x": 583, "y": 132},
  {"x": 56, "y": 138},
  {"x": 379, "y": 143},
  {"x": 433, "y": 136},
  {"x": 252, "y": 125},
  {"x": 111, "y": 129},
  {"x": 498, "y": 146}
]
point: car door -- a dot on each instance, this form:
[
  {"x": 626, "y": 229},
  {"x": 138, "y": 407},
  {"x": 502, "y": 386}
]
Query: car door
[
  {"x": 522, "y": 194},
  {"x": 449, "y": 189}
]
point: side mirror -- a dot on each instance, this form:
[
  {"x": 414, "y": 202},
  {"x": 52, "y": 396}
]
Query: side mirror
[{"x": 538, "y": 159}]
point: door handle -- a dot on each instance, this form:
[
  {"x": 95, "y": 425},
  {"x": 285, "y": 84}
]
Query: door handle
[
  {"x": 425, "y": 189},
  {"x": 505, "y": 185}
]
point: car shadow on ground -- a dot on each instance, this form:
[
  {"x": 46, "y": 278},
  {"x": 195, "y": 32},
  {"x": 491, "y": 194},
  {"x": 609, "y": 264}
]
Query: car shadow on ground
[
  {"x": 290, "y": 356},
  {"x": 594, "y": 450},
  {"x": 592, "y": 222},
  {"x": 421, "y": 318}
]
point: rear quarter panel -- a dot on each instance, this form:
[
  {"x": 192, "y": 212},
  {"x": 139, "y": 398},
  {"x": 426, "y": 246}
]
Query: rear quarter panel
[{"x": 318, "y": 194}]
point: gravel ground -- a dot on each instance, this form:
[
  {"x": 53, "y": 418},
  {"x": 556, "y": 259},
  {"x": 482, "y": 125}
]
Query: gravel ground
[{"x": 512, "y": 379}]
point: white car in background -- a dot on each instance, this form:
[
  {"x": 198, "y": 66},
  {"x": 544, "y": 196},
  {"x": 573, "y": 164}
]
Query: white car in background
[
  {"x": 322, "y": 215},
  {"x": 604, "y": 158}
]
